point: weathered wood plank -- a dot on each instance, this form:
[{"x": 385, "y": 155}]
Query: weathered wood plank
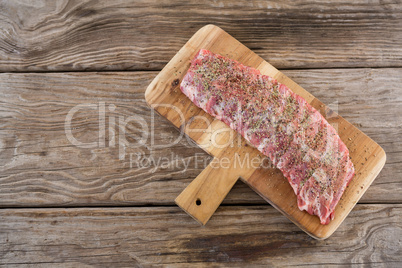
[
  {"x": 39, "y": 166},
  {"x": 371, "y": 235},
  {"x": 143, "y": 35}
]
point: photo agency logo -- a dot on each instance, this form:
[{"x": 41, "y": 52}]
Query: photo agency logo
[{"x": 135, "y": 135}]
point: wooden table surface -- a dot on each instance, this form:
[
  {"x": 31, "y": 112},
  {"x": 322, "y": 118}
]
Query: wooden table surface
[{"x": 84, "y": 198}]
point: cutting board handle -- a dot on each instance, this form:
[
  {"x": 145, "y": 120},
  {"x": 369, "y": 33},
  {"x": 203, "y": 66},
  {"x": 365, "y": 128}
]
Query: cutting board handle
[{"x": 206, "y": 192}]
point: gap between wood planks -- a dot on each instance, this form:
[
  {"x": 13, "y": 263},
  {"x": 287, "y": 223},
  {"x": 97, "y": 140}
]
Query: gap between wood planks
[
  {"x": 165, "y": 205},
  {"x": 158, "y": 70}
]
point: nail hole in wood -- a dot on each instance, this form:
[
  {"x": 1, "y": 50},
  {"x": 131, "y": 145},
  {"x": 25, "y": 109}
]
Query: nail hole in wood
[{"x": 198, "y": 202}]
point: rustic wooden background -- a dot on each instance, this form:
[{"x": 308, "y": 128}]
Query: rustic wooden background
[{"x": 62, "y": 205}]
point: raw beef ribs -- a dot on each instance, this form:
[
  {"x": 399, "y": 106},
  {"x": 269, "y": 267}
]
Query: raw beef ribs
[{"x": 279, "y": 123}]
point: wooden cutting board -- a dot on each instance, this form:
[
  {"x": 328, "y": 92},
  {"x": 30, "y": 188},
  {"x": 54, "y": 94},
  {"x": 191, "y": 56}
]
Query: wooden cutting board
[{"x": 203, "y": 196}]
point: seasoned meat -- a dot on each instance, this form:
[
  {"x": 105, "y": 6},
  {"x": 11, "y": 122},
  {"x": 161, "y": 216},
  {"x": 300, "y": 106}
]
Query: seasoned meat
[{"x": 279, "y": 123}]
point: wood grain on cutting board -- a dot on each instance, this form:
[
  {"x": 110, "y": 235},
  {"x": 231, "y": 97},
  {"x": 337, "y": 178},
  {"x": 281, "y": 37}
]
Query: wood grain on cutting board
[{"x": 164, "y": 95}]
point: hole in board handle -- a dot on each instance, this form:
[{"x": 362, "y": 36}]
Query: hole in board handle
[{"x": 198, "y": 202}]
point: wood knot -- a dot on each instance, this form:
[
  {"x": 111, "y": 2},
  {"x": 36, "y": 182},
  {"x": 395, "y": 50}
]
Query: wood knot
[{"x": 175, "y": 82}]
